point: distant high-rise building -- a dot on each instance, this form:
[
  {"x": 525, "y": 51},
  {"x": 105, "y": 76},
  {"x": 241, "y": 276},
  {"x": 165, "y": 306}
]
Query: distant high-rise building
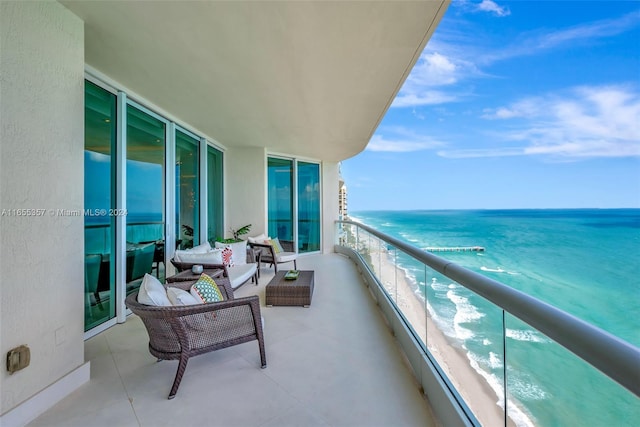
[{"x": 342, "y": 200}]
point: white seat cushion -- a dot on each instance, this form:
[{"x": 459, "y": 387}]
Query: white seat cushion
[
  {"x": 238, "y": 274},
  {"x": 286, "y": 256}
]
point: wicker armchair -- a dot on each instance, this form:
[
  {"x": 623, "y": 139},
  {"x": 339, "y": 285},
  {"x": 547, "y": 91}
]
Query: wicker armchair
[
  {"x": 179, "y": 332},
  {"x": 269, "y": 255}
]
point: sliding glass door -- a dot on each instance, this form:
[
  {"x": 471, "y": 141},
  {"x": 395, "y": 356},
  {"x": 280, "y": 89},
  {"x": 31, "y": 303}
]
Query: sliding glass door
[
  {"x": 145, "y": 195},
  {"x": 215, "y": 196},
  {"x": 280, "y": 210},
  {"x": 308, "y": 207},
  {"x": 99, "y": 200},
  {"x": 187, "y": 191},
  {"x": 294, "y": 202},
  {"x": 147, "y": 182}
]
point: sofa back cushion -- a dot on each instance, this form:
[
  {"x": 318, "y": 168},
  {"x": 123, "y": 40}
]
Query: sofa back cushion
[
  {"x": 213, "y": 256},
  {"x": 238, "y": 249}
]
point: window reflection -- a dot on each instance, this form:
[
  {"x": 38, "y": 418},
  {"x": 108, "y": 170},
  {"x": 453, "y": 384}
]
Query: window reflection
[{"x": 144, "y": 196}]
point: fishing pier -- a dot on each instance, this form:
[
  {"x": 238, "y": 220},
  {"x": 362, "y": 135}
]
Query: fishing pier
[{"x": 456, "y": 249}]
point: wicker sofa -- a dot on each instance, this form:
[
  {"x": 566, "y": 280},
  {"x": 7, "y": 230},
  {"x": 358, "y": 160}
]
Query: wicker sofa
[
  {"x": 238, "y": 274},
  {"x": 179, "y": 332}
]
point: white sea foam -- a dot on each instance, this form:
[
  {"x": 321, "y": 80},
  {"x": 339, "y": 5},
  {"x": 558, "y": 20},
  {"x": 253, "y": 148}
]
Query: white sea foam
[
  {"x": 519, "y": 417},
  {"x": 486, "y": 341},
  {"x": 526, "y": 389},
  {"x": 437, "y": 286},
  {"x": 492, "y": 270},
  {"x": 465, "y": 313},
  {"x": 444, "y": 326},
  {"x": 495, "y": 361},
  {"x": 499, "y": 270},
  {"x": 526, "y": 335}
]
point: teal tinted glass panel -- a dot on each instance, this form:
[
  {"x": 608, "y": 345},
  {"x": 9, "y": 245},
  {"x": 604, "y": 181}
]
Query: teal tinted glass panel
[
  {"x": 308, "y": 207},
  {"x": 145, "y": 219},
  {"x": 99, "y": 172},
  {"x": 280, "y": 194},
  {"x": 215, "y": 220},
  {"x": 187, "y": 191}
]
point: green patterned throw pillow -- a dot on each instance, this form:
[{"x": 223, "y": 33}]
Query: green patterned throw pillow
[
  {"x": 277, "y": 247},
  {"x": 206, "y": 290}
]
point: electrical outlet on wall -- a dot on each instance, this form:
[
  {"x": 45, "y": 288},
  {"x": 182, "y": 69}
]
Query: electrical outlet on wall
[{"x": 18, "y": 358}]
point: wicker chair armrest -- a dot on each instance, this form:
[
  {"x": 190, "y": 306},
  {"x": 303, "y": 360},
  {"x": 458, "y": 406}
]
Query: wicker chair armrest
[
  {"x": 259, "y": 245},
  {"x": 271, "y": 253}
]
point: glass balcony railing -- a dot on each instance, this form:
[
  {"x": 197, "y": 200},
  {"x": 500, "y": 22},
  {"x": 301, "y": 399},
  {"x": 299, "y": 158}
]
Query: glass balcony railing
[{"x": 508, "y": 358}]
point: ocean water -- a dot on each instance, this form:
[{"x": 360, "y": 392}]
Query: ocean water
[{"x": 584, "y": 261}]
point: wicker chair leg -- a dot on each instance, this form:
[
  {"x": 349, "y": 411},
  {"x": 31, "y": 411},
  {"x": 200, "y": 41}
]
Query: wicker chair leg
[
  {"x": 182, "y": 366},
  {"x": 263, "y": 356}
]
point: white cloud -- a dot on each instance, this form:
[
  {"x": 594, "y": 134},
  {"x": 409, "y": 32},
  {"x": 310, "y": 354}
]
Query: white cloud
[
  {"x": 584, "y": 122},
  {"x": 422, "y": 97},
  {"x": 401, "y": 141},
  {"x": 482, "y": 152},
  {"x": 433, "y": 70},
  {"x": 491, "y": 6},
  {"x": 536, "y": 42},
  {"x": 591, "y": 30},
  {"x": 523, "y": 108}
]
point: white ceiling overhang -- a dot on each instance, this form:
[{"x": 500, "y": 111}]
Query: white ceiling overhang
[{"x": 307, "y": 78}]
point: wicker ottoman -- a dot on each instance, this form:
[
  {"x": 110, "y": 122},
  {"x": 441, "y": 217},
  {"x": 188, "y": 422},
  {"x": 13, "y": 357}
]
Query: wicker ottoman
[{"x": 290, "y": 292}]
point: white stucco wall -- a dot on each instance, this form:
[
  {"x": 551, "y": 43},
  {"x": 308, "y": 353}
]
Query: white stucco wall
[
  {"x": 330, "y": 178},
  {"x": 41, "y": 167},
  {"x": 246, "y": 189},
  {"x": 246, "y": 193}
]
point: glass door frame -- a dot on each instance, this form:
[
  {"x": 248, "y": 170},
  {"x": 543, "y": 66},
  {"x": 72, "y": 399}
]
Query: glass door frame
[
  {"x": 114, "y": 194},
  {"x": 121, "y": 200},
  {"x": 294, "y": 196}
]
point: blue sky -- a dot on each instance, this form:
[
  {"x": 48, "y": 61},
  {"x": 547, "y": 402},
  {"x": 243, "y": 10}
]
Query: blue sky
[{"x": 513, "y": 104}]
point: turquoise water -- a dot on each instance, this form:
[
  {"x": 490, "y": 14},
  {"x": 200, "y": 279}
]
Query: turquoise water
[{"x": 584, "y": 261}]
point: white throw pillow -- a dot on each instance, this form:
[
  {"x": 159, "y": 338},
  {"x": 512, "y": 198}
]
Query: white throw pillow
[
  {"x": 201, "y": 249},
  {"x": 239, "y": 249},
  {"x": 177, "y": 255},
  {"x": 152, "y": 292},
  {"x": 258, "y": 239},
  {"x": 180, "y": 255},
  {"x": 181, "y": 297},
  {"x": 214, "y": 256}
]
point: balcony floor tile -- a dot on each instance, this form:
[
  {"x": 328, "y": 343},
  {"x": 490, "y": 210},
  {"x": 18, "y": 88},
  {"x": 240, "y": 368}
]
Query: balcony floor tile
[{"x": 334, "y": 363}]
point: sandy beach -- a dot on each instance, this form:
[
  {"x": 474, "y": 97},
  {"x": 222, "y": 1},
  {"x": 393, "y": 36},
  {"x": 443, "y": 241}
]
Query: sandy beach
[{"x": 475, "y": 390}]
